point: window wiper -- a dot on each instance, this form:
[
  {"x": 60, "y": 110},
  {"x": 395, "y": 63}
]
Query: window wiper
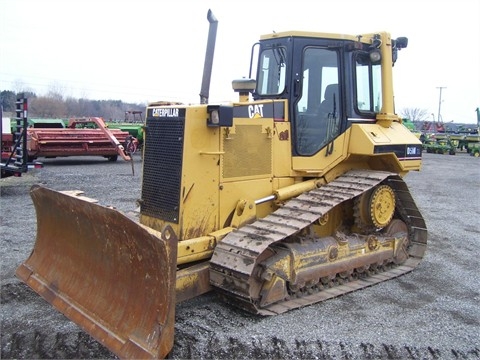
[
  {"x": 331, "y": 127},
  {"x": 279, "y": 54}
]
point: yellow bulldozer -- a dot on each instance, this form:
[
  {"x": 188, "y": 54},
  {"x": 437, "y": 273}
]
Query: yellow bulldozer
[{"x": 291, "y": 195}]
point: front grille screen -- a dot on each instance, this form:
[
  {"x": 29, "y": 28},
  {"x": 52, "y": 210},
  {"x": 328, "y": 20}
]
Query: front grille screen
[
  {"x": 162, "y": 167},
  {"x": 248, "y": 152}
]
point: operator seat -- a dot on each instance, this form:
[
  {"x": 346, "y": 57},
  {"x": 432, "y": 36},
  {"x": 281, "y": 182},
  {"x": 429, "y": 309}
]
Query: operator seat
[
  {"x": 330, "y": 98},
  {"x": 313, "y": 130}
]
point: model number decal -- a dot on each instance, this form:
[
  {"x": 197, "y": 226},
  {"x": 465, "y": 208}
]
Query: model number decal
[
  {"x": 402, "y": 152},
  {"x": 413, "y": 150}
]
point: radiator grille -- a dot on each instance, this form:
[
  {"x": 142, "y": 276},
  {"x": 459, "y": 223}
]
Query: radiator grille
[
  {"x": 247, "y": 153},
  {"x": 162, "y": 168}
]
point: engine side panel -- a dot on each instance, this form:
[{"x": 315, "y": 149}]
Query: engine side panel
[{"x": 181, "y": 171}]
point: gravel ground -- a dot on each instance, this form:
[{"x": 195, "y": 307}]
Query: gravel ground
[{"x": 430, "y": 313}]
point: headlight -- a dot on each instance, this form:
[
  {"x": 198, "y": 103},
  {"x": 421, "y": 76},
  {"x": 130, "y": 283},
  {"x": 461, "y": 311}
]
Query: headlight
[{"x": 220, "y": 115}]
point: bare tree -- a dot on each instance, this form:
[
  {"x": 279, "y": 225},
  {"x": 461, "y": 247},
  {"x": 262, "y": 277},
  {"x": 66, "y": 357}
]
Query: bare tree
[
  {"x": 48, "y": 107},
  {"x": 56, "y": 91},
  {"x": 57, "y": 104},
  {"x": 414, "y": 114},
  {"x": 20, "y": 87}
]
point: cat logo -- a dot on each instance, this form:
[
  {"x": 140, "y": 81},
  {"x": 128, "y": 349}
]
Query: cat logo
[
  {"x": 255, "y": 111},
  {"x": 164, "y": 112}
]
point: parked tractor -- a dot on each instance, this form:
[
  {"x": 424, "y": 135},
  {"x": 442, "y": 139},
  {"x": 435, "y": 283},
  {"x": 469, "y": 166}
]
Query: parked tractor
[{"x": 292, "y": 195}]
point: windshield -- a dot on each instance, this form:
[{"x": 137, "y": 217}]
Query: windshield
[{"x": 272, "y": 71}]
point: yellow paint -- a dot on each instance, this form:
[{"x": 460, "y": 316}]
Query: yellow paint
[
  {"x": 195, "y": 249},
  {"x": 319, "y": 164}
]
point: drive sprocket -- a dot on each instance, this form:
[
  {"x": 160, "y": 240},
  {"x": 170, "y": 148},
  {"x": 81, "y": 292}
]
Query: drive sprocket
[{"x": 375, "y": 208}]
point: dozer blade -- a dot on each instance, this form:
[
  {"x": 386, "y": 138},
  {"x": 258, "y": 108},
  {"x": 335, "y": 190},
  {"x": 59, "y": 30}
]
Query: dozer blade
[{"x": 114, "y": 277}]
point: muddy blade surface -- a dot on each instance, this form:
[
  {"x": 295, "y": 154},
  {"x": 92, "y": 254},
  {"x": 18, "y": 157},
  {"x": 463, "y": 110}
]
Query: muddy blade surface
[{"x": 112, "y": 276}]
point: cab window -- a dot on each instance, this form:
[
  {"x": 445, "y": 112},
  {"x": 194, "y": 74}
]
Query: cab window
[
  {"x": 272, "y": 71},
  {"x": 368, "y": 85},
  {"x": 317, "y": 108}
]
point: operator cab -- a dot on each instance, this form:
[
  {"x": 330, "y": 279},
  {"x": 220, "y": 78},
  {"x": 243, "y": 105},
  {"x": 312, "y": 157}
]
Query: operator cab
[{"x": 330, "y": 81}]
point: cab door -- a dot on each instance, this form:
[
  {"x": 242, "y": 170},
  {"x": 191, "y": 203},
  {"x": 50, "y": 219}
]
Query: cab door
[{"x": 317, "y": 103}]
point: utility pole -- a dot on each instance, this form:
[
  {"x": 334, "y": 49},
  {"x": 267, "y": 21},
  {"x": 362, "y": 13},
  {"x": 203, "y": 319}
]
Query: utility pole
[{"x": 440, "y": 102}]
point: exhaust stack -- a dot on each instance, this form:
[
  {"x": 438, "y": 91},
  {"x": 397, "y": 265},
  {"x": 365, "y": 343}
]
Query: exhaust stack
[{"x": 207, "y": 68}]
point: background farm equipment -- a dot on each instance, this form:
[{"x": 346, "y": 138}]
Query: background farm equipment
[
  {"x": 410, "y": 125},
  {"x": 47, "y": 123},
  {"x": 439, "y": 144},
  {"x": 14, "y": 158},
  {"x": 81, "y": 137},
  {"x": 133, "y": 124},
  {"x": 451, "y": 143},
  {"x": 454, "y": 138},
  {"x": 473, "y": 148},
  {"x": 473, "y": 140}
]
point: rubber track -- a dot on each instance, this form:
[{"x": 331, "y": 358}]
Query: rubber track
[{"x": 235, "y": 257}]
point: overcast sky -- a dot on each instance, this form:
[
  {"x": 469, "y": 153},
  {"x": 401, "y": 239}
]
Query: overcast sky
[{"x": 148, "y": 50}]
